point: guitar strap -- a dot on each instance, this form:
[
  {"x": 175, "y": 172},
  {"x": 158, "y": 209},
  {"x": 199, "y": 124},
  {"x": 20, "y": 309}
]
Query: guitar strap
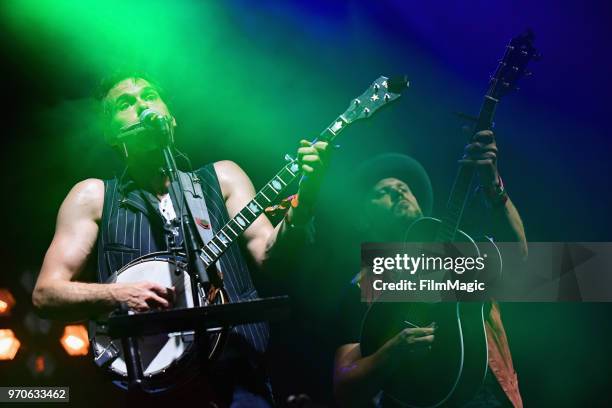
[{"x": 196, "y": 205}]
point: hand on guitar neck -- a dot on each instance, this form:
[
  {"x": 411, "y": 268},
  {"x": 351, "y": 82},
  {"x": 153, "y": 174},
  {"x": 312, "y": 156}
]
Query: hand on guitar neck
[{"x": 481, "y": 152}]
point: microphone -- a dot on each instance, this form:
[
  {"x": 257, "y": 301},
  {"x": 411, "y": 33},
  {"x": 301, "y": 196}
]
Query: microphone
[
  {"x": 152, "y": 119},
  {"x": 148, "y": 120}
]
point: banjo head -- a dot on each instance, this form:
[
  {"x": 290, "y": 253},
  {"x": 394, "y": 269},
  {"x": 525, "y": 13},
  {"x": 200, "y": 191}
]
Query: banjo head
[{"x": 165, "y": 357}]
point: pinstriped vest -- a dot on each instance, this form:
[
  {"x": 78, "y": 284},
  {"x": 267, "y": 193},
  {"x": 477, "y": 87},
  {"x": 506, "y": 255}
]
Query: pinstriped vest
[{"x": 132, "y": 226}]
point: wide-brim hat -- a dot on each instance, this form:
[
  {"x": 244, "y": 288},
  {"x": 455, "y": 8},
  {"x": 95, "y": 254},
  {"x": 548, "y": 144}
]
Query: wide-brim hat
[{"x": 401, "y": 167}]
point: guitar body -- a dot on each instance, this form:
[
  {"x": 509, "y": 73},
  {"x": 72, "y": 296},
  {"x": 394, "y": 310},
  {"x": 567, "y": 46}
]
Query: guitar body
[{"x": 452, "y": 371}]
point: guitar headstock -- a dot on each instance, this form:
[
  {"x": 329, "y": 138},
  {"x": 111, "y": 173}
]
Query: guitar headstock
[
  {"x": 512, "y": 67},
  {"x": 380, "y": 93}
]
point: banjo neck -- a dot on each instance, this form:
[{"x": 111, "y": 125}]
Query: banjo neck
[
  {"x": 229, "y": 233},
  {"x": 382, "y": 92}
]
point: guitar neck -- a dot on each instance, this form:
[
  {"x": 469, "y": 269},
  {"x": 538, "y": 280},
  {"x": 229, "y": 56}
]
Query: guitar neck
[
  {"x": 230, "y": 232},
  {"x": 461, "y": 187}
]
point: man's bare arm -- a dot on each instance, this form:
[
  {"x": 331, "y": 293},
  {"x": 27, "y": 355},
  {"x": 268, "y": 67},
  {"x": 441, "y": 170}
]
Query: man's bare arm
[
  {"x": 264, "y": 241},
  {"x": 508, "y": 226},
  {"x": 358, "y": 379},
  {"x": 57, "y": 294},
  {"x": 238, "y": 191}
]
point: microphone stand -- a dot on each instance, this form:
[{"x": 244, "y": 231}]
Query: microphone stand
[
  {"x": 201, "y": 278},
  {"x": 192, "y": 241}
]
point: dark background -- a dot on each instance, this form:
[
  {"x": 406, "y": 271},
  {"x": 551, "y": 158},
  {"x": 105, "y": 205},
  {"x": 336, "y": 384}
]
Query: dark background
[{"x": 280, "y": 71}]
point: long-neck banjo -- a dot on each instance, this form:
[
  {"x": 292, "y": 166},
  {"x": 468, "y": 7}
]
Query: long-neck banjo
[{"x": 165, "y": 358}]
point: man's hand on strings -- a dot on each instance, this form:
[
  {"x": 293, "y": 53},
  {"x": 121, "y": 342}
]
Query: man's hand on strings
[{"x": 313, "y": 159}]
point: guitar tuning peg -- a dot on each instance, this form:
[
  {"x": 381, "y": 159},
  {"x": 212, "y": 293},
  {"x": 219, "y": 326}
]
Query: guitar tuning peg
[
  {"x": 366, "y": 112},
  {"x": 357, "y": 102},
  {"x": 376, "y": 88},
  {"x": 386, "y": 98}
]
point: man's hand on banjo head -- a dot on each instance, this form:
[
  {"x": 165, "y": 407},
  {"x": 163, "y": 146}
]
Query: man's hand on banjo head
[{"x": 143, "y": 296}]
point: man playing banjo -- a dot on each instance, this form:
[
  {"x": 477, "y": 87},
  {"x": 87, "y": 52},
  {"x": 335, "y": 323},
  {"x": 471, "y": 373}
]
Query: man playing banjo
[{"x": 132, "y": 216}]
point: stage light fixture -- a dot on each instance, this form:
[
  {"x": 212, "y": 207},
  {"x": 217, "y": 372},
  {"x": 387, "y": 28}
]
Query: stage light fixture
[
  {"x": 40, "y": 364},
  {"x": 75, "y": 340},
  {"x": 7, "y": 301},
  {"x": 9, "y": 344}
]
